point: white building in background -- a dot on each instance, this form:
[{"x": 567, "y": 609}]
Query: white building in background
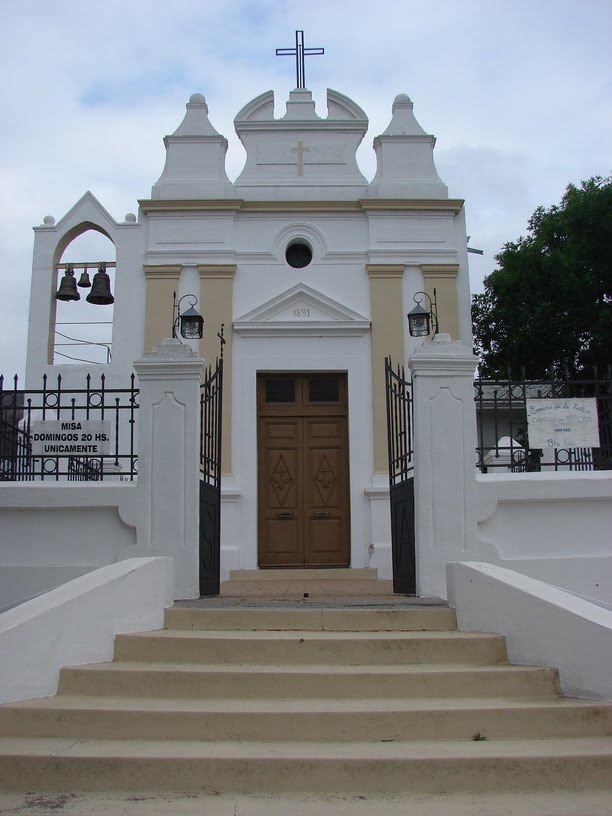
[{"x": 311, "y": 269}]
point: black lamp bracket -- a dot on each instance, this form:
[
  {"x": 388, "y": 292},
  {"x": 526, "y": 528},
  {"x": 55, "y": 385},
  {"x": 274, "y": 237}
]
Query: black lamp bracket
[{"x": 222, "y": 340}]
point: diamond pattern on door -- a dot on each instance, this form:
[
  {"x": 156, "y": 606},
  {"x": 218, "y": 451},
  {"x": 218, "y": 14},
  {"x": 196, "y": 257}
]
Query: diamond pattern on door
[
  {"x": 281, "y": 481},
  {"x": 325, "y": 480}
]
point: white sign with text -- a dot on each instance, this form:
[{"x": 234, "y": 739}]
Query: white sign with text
[
  {"x": 58, "y": 437},
  {"x": 562, "y": 423}
]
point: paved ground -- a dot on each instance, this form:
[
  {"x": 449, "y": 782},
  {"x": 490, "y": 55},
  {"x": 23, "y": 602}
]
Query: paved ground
[{"x": 586, "y": 803}]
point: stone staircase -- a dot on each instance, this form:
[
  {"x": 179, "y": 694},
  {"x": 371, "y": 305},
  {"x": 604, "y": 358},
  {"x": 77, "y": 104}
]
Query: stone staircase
[{"x": 247, "y": 700}]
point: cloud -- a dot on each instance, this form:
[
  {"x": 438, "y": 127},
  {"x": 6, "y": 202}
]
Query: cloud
[{"x": 517, "y": 94}]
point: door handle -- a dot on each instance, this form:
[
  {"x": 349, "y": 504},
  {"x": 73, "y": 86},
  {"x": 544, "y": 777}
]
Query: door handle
[
  {"x": 321, "y": 515},
  {"x": 285, "y": 515}
]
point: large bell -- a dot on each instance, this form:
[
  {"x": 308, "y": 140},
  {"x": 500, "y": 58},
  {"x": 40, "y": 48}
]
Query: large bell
[
  {"x": 68, "y": 288},
  {"x": 100, "y": 290},
  {"x": 84, "y": 281}
]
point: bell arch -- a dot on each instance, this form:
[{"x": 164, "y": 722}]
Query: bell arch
[{"x": 81, "y": 309}]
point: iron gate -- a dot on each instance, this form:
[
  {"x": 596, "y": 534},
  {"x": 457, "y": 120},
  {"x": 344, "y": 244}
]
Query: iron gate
[
  {"x": 401, "y": 481},
  {"x": 211, "y": 405}
]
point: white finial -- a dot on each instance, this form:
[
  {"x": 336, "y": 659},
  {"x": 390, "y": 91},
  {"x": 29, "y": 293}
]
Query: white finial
[
  {"x": 49, "y": 220},
  {"x": 197, "y": 100},
  {"x": 130, "y": 218},
  {"x": 402, "y": 101}
]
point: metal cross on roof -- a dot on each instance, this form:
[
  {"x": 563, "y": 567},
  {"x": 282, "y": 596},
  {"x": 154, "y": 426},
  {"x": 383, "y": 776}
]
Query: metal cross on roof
[{"x": 299, "y": 52}]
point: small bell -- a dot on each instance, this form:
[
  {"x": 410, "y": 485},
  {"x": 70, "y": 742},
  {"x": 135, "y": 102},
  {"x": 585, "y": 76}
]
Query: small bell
[
  {"x": 68, "y": 288},
  {"x": 100, "y": 290},
  {"x": 84, "y": 281}
]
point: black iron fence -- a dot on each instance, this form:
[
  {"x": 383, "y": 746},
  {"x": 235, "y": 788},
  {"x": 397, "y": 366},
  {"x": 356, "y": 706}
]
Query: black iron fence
[
  {"x": 59, "y": 432},
  {"x": 211, "y": 404},
  {"x": 211, "y": 408},
  {"x": 502, "y": 424},
  {"x": 399, "y": 423},
  {"x": 400, "y": 441}
]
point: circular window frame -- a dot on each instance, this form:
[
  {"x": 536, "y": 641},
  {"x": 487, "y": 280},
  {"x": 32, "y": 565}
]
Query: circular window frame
[
  {"x": 298, "y": 232},
  {"x": 306, "y": 249}
]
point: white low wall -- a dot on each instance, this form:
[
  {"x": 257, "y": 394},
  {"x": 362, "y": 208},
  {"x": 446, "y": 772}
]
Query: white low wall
[
  {"x": 55, "y": 528},
  {"x": 77, "y": 623},
  {"x": 378, "y": 519},
  {"x": 556, "y": 527},
  {"x": 52, "y": 532},
  {"x": 543, "y": 625}
]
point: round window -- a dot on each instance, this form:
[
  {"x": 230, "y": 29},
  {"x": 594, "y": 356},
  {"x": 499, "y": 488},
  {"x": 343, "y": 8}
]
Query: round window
[{"x": 298, "y": 255}]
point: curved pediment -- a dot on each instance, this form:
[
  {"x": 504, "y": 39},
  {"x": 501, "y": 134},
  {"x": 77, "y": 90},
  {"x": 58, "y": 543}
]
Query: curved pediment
[
  {"x": 340, "y": 106},
  {"x": 301, "y": 311},
  {"x": 301, "y": 156},
  {"x": 262, "y": 107}
]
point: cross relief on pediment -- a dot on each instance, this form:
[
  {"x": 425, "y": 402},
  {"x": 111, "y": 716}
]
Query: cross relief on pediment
[{"x": 299, "y": 152}]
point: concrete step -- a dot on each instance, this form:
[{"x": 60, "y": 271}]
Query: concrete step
[
  {"x": 303, "y": 574},
  {"x": 301, "y": 647},
  {"x": 192, "y": 681},
  {"x": 252, "y": 767},
  {"x": 297, "y": 584},
  {"x": 328, "y": 700},
  {"x": 370, "y": 720},
  {"x": 341, "y": 620}
]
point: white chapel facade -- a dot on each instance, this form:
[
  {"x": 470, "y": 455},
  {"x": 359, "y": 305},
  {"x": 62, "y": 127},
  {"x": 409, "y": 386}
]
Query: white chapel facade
[{"x": 311, "y": 270}]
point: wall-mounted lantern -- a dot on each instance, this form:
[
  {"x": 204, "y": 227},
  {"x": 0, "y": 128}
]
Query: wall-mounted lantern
[
  {"x": 190, "y": 323},
  {"x": 421, "y": 320}
]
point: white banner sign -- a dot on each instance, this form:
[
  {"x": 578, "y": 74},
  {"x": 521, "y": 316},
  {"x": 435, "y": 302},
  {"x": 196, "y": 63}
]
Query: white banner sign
[
  {"x": 85, "y": 437},
  {"x": 562, "y": 423}
]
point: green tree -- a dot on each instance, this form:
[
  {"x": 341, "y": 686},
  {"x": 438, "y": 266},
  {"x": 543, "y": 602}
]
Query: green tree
[{"x": 548, "y": 307}]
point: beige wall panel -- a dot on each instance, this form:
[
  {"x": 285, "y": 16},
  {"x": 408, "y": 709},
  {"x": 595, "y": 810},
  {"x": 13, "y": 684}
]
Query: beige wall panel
[
  {"x": 216, "y": 307},
  {"x": 387, "y": 316},
  {"x": 443, "y": 278},
  {"x": 162, "y": 282}
]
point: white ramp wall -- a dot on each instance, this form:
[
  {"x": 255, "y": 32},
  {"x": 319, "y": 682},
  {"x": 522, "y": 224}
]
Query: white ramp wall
[
  {"x": 543, "y": 625},
  {"x": 556, "y": 527},
  {"x": 77, "y": 623}
]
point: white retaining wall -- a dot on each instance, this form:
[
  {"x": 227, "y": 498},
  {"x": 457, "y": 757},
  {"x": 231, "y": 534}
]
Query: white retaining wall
[
  {"x": 555, "y": 527},
  {"x": 52, "y": 531},
  {"x": 77, "y": 623},
  {"x": 543, "y": 625}
]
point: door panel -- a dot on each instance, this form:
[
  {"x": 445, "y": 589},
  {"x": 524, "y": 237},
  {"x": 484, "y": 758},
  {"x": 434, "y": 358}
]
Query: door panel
[
  {"x": 280, "y": 466},
  {"x": 326, "y": 495},
  {"x": 283, "y": 539},
  {"x": 324, "y": 537},
  {"x": 303, "y": 471}
]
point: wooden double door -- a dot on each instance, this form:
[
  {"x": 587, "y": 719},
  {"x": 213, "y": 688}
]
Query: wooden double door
[{"x": 303, "y": 479}]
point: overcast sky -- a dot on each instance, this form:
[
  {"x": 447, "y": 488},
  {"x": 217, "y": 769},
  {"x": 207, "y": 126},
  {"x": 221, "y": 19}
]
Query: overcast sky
[{"x": 517, "y": 93}]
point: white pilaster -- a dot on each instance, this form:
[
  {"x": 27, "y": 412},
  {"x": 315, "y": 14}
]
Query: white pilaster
[
  {"x": 444, "y": 459},
  {"x": 168, "y": 447}
]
